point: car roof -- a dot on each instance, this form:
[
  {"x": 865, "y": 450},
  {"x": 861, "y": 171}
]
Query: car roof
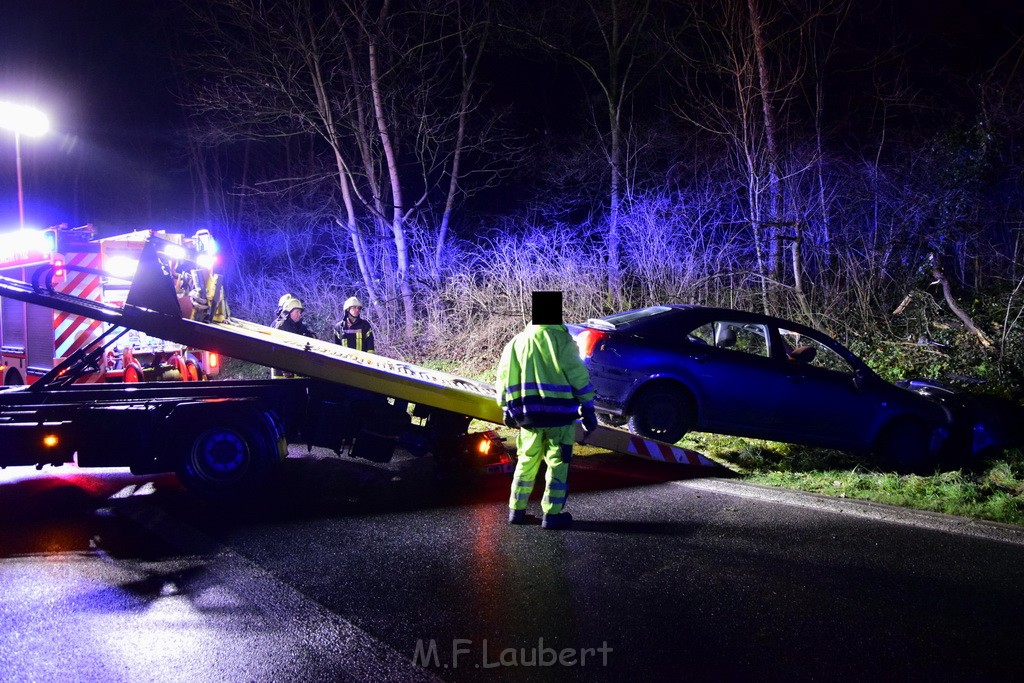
[{"x": 699, "y": 312}]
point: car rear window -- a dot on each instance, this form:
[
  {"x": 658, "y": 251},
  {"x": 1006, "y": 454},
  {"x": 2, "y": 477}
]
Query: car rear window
[{"x": 618, "y": 320}]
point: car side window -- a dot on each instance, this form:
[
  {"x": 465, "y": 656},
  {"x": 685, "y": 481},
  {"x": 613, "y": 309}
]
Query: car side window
[
  {"x": 734, "y": 336},
  {"x": 809, "y": 351}
]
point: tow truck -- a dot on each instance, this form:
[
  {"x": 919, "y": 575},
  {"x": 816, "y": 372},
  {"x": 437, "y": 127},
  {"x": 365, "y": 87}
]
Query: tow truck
[{"x": 227, "y": 436}]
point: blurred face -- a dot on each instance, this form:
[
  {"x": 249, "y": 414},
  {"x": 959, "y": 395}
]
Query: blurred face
[
  {"x": 296, "y": 314},
  {"x": 354, "y": 311}
]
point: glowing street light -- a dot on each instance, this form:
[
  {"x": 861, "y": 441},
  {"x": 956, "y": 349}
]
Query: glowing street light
[{"x": 22, "y": 120}]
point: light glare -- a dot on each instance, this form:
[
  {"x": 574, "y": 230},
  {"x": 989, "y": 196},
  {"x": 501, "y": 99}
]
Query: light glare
[{"x": 23, "y": 120}]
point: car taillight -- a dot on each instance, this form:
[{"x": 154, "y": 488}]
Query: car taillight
[{"x": 587, "y": 340}]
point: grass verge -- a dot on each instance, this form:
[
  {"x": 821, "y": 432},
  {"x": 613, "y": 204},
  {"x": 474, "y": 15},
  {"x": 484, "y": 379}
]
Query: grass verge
[{"x": 994, "y": 492}]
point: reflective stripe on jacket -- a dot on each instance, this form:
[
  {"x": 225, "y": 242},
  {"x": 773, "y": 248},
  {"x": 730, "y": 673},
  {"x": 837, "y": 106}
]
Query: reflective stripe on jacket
[
  {"x": 355, "y": 333},
  {"x": 541, "y": 380}
]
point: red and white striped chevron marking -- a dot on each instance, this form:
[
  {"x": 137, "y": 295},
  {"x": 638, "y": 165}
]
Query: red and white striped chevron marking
[
  {"x": 655, "y": 450},
  {"x": 73, "y": 332}
]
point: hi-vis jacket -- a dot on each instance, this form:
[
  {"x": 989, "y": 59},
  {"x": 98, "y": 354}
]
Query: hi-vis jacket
[{"x": 541, "y": 380}]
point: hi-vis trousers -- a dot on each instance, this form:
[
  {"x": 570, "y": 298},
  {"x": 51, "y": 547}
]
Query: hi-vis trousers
[{"x": 554, "y": 446}]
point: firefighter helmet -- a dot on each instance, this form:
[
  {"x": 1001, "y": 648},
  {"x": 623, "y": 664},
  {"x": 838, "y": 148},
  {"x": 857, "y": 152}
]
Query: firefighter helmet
[
  {"x": 290, "y": 304},
  {"x": 352, "y": 301}
]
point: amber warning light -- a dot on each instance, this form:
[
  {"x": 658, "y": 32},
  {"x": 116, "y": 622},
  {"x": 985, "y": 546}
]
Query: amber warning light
[{"x": 50, "y": 440}]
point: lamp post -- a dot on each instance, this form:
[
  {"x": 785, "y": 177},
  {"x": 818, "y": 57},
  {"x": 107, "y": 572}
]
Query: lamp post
[{"x": 22, "y": 120}]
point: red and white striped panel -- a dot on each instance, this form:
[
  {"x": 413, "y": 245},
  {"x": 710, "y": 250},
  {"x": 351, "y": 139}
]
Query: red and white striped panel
[
  {"x": 655, "y": 450},
  {"x": 73, "y": 332}
]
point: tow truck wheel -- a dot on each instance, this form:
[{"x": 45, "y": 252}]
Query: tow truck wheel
[{"x": 225, "y": 455}]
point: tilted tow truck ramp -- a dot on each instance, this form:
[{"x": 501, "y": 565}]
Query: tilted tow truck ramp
[{"x": 152, "y": 307}]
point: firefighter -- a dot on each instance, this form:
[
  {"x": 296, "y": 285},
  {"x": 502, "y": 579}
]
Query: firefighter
[
  {"x": 543, "y": 387},
  {"x": 290, "y": 317},
  {"x": 281, "y": 314},
  {"x": 207, "y": 295},
  {"x": 353, "y": 331}
]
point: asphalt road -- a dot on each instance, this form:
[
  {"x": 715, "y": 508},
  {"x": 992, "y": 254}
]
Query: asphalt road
[{"x": 355, "y": 571}]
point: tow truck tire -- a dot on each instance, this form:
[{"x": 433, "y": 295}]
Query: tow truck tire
[
  {"x": 227, "y": 454},
  {"x": 12, "y": 378}
]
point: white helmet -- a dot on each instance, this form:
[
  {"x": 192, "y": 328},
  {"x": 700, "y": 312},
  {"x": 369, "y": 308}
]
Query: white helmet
[
  {"x": 352, "y": 301},
  {"x": 290, "y": 304}
]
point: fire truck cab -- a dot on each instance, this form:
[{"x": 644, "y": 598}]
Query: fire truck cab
[{"x": 75, "y": 262}]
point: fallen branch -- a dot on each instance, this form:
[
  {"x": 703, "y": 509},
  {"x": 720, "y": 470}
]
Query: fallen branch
[{"x": 947, "y": 293}]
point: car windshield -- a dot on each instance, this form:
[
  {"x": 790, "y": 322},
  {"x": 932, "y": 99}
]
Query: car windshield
[{"x": 620, "y": 319}]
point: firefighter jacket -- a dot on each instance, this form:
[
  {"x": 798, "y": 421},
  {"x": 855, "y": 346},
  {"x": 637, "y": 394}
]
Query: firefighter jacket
[
  {"x": 355, "y": 333},
  {"x": 541, "y": 380},
  {"x": 289, "y": 325}
]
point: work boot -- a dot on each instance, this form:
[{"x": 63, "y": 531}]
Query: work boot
[
  {"x": 517, "y": 516},
  {"x": 563, "y": 520}
]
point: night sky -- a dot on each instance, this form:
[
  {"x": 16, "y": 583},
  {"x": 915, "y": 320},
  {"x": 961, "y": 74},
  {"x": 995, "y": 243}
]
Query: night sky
[{"x": 102, "y": 71}]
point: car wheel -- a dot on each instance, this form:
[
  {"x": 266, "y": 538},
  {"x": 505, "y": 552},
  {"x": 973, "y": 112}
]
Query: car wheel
[
  {"x": 905, "y": 446},
  {"x": 660, "y": 413},
  {"x": 611, "y": 420}
]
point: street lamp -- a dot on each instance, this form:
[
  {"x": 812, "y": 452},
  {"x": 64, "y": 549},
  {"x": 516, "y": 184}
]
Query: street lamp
[{"x": 22, "y": 120}]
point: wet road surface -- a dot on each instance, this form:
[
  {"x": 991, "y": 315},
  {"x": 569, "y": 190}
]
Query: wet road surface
[{"x": 349, "y": 570}]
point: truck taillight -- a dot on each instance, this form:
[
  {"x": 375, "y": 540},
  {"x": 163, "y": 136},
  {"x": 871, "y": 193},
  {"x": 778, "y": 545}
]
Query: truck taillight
[
  {"x": 213, "y": 360},
  {"x": 587, "y": 341}
]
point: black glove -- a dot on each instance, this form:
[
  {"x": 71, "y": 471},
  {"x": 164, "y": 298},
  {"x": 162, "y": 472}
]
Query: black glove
[
  {"x": 507, "y": 418},
  {"x": 589, "y": 418}
]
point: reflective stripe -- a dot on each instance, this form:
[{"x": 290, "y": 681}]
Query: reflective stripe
[{"x": 584, "y": 391}]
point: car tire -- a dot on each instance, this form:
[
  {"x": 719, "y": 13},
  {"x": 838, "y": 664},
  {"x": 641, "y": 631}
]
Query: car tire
[
  {"x": 904, "y": 446},
  {"x": 661, "y": 413},
  {"x": 611, "y": 420}
]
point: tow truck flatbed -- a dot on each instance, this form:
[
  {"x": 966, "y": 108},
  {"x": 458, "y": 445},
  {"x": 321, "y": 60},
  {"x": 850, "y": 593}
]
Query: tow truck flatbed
[{"x": 221, "y": 435}]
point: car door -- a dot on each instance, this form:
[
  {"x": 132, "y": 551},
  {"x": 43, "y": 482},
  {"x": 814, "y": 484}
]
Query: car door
[
  {"x": 818, "y": 401},
  {"x": 735, "y": 379}
]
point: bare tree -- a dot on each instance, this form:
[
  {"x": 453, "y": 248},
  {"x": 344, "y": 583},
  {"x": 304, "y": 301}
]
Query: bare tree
[
  {"x": 611, "y": 42},
  {"x": 742, "y": 66},
  {"x": 384, "y": 99}
]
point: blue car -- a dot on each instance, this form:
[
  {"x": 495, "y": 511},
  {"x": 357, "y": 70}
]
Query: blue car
[{"x": 667, "y": 370}]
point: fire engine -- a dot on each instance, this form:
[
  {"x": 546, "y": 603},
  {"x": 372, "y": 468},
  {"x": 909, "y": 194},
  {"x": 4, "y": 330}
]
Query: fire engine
[{"x": 34, "y": 339}]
